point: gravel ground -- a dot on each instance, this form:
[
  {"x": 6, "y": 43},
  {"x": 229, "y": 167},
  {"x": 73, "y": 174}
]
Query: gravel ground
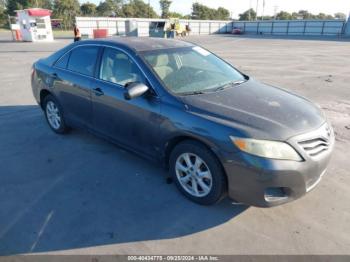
[{"x": 77, "y": 194}]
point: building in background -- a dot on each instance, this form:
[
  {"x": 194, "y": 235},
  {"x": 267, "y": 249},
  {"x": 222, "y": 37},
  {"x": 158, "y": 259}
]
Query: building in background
[{"x": 35, "y": 24}]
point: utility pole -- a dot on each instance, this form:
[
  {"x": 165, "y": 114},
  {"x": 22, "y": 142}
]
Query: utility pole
[
  {"x": 256, "y": 10},
  {"x": 275, "y": 12},
  {"x": 250, "y": 8},
  {"x": 263, "y": 11},
  {"x": 149, "y": 8}
]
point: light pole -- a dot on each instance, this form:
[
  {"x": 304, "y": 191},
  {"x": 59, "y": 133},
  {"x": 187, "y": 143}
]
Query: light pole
[
  {"x": 275, "y": 11},
  {"x": 149, "y": 8},
  {"x": 256, "y": 10},
  {"x": 263, "y": 11},
  {"x": 250, "y": 8}
]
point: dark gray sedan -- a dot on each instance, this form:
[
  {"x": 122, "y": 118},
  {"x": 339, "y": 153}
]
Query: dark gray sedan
[{"x": 217, "y": 130}]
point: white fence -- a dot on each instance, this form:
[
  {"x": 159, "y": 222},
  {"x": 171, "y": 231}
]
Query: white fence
[
  {"x": 293, "y": 27},
  {"x": 116, "y": 26}
]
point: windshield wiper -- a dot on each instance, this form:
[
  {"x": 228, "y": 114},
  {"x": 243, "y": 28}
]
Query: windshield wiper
[
  {"x": 221, "y": 87},
  {"x": 193, "y": 93},
  {"x": 229, "y": 84}
]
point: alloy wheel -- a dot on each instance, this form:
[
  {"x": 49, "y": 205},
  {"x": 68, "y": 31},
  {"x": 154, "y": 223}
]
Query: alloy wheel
[
  {"x": 53, "y": 115},
  {"x": 193, "y": 174}
]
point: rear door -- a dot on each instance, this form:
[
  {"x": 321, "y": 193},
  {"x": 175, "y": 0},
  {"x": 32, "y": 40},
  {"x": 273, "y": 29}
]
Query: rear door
[
  {"x": 133, "y": 123},
  {"x": 73, "y": 78}
]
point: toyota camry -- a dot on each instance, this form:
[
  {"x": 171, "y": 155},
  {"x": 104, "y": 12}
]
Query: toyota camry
[{"x": 218, "y": 131}]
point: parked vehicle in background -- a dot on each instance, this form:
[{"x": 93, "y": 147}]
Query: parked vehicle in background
[
  {"x": 217, "y": 130},
  {"x": 174, "y": 26},
  {"x": 237, "y": 31},
  {"x": 56, "y": 23}
]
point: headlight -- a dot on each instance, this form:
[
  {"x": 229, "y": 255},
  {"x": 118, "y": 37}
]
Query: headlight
[{"x": 266, "y": 148}]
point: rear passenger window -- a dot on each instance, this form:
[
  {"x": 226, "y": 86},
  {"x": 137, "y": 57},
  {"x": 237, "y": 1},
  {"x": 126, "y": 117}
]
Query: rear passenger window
[
  {"x": 63, "y": 61},
  {"x": 82, "y": 60}
]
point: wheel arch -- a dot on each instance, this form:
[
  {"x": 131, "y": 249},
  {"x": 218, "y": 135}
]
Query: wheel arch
[
  {"x": 174, "y": 141},
  {"x": 43, "y": 93}
]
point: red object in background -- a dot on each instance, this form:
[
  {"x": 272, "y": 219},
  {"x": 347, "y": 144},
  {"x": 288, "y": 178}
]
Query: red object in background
[
  {"x": 18, "y": 35},
  {"x": 100, "y": 33},
  {"x": 38, "y": 12},
  {"x": 55, "y": 24},
  {"x": 237, "y": 31}
]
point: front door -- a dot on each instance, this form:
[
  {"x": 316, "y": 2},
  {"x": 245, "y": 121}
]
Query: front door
[{"x": 133, "y": 123}]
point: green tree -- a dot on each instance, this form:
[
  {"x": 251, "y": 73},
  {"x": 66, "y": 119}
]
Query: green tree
[
  {"x": 110, "y": 8},
  {"x": 13, "y": 5},
  {"x": 284, "y": 16},
  {"x": 138, "y": 8},
  {"x": 248, "y": 15},
  {"x": 341, "y": 16},
  {"x": 66, "y": 10},
  {"x": 104, "y": 9},
  {"x": 304, "y": 14},
  {"x": 2, "y": 4},
  {"x": 88, "y": 9},
  {"x": 222, "y": 14},
  {"x": 128, "y": 10},
  {"x": 265, "y": 17},
  {"x": 175, "y": 15},
  {"x": 323, "y": 16},
  {"x": 3, "y": 16},
  {"x": 203, "y": 12},
  {"x": 46, "y": 4},
  {"x": 164, "y": 6},
  {"x": 200, "y": 11}
]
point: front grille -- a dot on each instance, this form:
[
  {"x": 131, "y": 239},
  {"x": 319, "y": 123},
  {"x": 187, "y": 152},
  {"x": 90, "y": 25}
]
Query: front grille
[{"x": 319, "y": 143}]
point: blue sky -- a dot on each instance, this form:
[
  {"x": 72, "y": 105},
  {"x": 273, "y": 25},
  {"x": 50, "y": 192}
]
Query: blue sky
[{"x": 238, "y": 6}]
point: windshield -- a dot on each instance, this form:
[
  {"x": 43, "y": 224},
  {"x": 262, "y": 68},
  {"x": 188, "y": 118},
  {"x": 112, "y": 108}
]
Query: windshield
[{"x": 192, "y": 70}]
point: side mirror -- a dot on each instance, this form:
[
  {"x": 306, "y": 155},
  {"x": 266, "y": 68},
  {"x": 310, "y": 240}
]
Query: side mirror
[{"x": 135, "y": 90}]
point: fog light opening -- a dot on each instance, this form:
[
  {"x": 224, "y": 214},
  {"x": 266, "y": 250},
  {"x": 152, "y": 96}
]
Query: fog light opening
[{"x": 275, "y": 194}]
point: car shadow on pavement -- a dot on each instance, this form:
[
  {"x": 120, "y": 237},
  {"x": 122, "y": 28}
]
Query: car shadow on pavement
[{"x": 74, "y": 191}]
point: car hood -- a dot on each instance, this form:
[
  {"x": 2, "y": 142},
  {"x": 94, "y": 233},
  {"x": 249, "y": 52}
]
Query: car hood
[{"x": 258, "y": 110}]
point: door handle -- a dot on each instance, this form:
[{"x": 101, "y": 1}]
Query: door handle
[{"x": 98, "y": 91}]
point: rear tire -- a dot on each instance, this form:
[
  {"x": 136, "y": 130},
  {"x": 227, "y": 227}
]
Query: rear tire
[
  {"x": 54, "y": 115},
  {"x": 197, "y": 173}
]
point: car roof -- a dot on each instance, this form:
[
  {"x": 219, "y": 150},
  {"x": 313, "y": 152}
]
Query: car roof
[{"x": 140, "y": 44}]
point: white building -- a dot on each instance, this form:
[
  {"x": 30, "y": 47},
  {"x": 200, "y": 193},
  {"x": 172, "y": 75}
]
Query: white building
[{"x": 35, "y": 24}]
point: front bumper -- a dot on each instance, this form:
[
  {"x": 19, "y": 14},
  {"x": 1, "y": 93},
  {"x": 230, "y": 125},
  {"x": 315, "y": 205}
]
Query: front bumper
[{"x": 265, "y": 182}]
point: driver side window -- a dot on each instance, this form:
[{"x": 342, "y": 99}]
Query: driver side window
[{"x": 118, "y": 68}]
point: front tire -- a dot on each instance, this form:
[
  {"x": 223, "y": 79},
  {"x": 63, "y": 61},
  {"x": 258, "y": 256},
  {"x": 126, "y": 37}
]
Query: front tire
[
  {"x": 54, "y": 115},
  {"x": 197, "y": 173}
]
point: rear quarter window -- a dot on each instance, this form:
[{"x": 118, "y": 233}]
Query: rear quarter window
[
  {"x": 63, "y": 61},
  {"x": 83, "y": 59}
]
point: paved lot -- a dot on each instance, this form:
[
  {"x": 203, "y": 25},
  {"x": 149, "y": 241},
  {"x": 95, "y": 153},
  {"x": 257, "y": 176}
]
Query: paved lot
[{"x": 77, "y": 194}]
